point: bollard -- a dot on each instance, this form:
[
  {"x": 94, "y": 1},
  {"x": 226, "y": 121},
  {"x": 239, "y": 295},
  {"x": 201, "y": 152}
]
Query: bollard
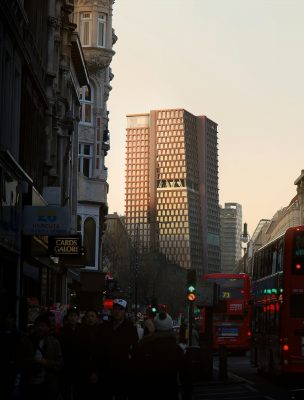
[{"x": 222, "y": 362}]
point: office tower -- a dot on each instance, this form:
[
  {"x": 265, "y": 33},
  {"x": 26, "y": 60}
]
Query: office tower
[
  {"x": 231, "y": 231},
  {"x": 171, "y": 203}
]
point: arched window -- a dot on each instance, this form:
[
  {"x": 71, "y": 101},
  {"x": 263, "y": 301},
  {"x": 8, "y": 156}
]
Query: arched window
[
  {"x": 86, "y": 105},
  {"x": 89, "y": 234}
]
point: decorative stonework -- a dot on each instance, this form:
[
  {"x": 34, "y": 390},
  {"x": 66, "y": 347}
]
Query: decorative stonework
[
  {"x": 98, "y": 59},
  {"x": 104, "y": 3}
]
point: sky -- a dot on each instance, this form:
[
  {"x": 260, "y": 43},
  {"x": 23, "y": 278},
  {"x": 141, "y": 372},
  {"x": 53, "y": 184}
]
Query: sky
[{"x": 240, "y": 63}]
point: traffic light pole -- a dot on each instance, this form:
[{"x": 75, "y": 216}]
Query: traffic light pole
[{"x": 190, "y": 316}]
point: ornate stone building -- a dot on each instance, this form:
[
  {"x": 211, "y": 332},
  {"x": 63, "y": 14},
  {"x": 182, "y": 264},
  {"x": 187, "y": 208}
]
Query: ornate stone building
[{"x": 94, "y": 24}]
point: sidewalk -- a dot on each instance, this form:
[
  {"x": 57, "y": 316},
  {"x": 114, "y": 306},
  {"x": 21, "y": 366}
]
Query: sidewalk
[{"x": 215, "y": 381}]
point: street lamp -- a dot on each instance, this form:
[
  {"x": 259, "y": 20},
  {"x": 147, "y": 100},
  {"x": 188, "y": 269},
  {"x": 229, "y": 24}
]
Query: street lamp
[{"x": 245, "y": 238}]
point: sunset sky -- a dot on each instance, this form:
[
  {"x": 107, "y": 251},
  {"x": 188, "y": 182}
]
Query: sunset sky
[{"x": 241, "y": 63}]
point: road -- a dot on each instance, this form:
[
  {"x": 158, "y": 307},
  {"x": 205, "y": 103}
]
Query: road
[{"x": 245, "y": 383}]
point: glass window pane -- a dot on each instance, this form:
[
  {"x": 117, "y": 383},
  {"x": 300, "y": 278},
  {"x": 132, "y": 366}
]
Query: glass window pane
[
  {"x": 87, "y": 117},
  {"x": 87, "y": 94},
  {"x": 101, "y": 29},
  {"x": 86, "y": 33},
  {"x": 86, "y": 167},
  {"x": 87, "y": 149}
]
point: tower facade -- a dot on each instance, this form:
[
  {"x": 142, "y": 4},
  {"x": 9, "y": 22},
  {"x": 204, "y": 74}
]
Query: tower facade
[
  {"x": 171, "y": 203},
  {"x": 231, "y": 231}
]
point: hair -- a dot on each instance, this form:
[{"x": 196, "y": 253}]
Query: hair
[
  {"x": 162, "y": 315},
  {"x": 43, "y": 318},
  {"x": 72, "y": 311}
]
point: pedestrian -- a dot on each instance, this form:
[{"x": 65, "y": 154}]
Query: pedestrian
[
  {"x": 160, "y": 360},
  {"x": 121, "y": 339},
  {"x": 40, "y": 360},
  {"x": 90, "y": 362},
  {"x": 10, "y": 338},
  {"x": 148, "y": 326},
  {"x": 69, "y": 339}
]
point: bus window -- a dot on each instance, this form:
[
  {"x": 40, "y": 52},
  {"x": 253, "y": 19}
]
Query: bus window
[
  {"x": 297, "y": 305},
  {"x": 298, "y": 254},
  {"x": 274, "y": 260},
  {"x": 280, "y": 256}
]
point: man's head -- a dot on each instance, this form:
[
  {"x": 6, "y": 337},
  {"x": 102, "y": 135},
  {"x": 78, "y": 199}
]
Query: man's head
[
  {"x": 119, "y": 309},
  {"x": 91, "y": 317},
  {"x": 163, "y": 322},
  {"x": 42, "y": 325},
  {"x": 72, "y": 317}
]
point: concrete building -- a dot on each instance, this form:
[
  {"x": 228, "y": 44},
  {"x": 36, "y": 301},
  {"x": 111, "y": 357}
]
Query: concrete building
[
  {"x": 231, "y": 231},
  {"x": 171, "y": 203},
  {"x": 94, "y": 24}
]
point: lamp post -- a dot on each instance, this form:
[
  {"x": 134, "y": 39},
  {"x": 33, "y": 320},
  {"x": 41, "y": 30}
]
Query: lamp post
[{"x": 245, "y": 238}]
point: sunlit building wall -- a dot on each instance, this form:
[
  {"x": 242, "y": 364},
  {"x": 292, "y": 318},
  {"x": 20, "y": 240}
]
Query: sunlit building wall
[
  {"x": 231, "y": 231},
  {"x": 172, "y": 187}
]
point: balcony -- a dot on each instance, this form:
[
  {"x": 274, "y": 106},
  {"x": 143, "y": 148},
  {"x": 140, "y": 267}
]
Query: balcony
[
  {"x": 98, "y": 58},
  {"x": 91, "y": 190}
]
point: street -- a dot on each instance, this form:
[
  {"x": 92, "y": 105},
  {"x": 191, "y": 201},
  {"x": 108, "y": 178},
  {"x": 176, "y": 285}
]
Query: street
[{"x": 245, "y": 383}]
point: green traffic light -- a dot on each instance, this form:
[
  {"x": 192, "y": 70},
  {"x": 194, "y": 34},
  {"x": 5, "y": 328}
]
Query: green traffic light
[{"x": 191, "y": 289}]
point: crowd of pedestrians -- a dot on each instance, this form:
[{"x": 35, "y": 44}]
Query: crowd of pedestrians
[{"x": 89, "y": 358}]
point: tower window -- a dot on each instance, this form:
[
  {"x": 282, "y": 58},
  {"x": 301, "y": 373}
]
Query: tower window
[
  {"x": 85, "y": 29},
  {"x": 101, "y": 31}
]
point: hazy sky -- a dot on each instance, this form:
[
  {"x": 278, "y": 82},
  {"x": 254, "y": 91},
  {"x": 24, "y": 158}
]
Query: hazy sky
[{"x": 239, "y": 62}]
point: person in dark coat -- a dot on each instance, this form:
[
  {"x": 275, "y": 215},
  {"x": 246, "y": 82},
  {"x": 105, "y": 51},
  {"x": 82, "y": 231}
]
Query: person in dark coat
[
  {"x": 122, "y": 338},
  {"x": 40, "y": 360},
  {"x": 160, "y": 363},
  {"x": 69, "y": 338},
  {"x": 10, "y": 338},
  {"x": 91, "y": 359}
]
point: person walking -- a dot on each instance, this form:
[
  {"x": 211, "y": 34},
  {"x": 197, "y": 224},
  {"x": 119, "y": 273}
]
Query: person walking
[
  {"x": 90, "y": 355},
  {"x": 121, "y": 339},
  {"x": 69, "y": 338},
  {"x": 159, "y": 359},
  {"x": 40, "y": 360}
]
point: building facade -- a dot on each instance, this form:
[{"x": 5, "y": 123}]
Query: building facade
[
  {"x": 42, "y": 70},
  {"x": 171, "y": 203},
  {"x": 231, "y": 231},
  {"x": 94, "y": 24}
]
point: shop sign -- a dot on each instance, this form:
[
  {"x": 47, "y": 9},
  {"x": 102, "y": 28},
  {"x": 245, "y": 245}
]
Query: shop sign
[
  {"x": 65, "y": 245},
  {"x": 46, "y": 221}
]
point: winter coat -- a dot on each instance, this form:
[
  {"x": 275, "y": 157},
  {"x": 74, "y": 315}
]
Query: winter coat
[
  {"x": 160, "y": 366},
  {"x": 51, "y": 351}
]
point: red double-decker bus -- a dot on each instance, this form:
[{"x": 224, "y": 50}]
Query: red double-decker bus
[
  {"x": 278, "y": 304},
  {"x": 232, "y": 315}
]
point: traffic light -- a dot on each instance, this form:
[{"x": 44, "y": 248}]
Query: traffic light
[
  {"x": 154, "y": 311},
  {"x": 191, "y": 285},
  {"x": 191, "y": 295}
]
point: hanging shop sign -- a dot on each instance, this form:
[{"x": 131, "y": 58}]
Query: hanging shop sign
[
  {"x": 65, "y": 245},
  {"x": 46, "y": 221}
]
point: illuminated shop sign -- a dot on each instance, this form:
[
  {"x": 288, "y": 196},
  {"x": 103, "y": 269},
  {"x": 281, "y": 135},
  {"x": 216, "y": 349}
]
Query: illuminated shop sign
[{"x": 65, "y": 245}]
